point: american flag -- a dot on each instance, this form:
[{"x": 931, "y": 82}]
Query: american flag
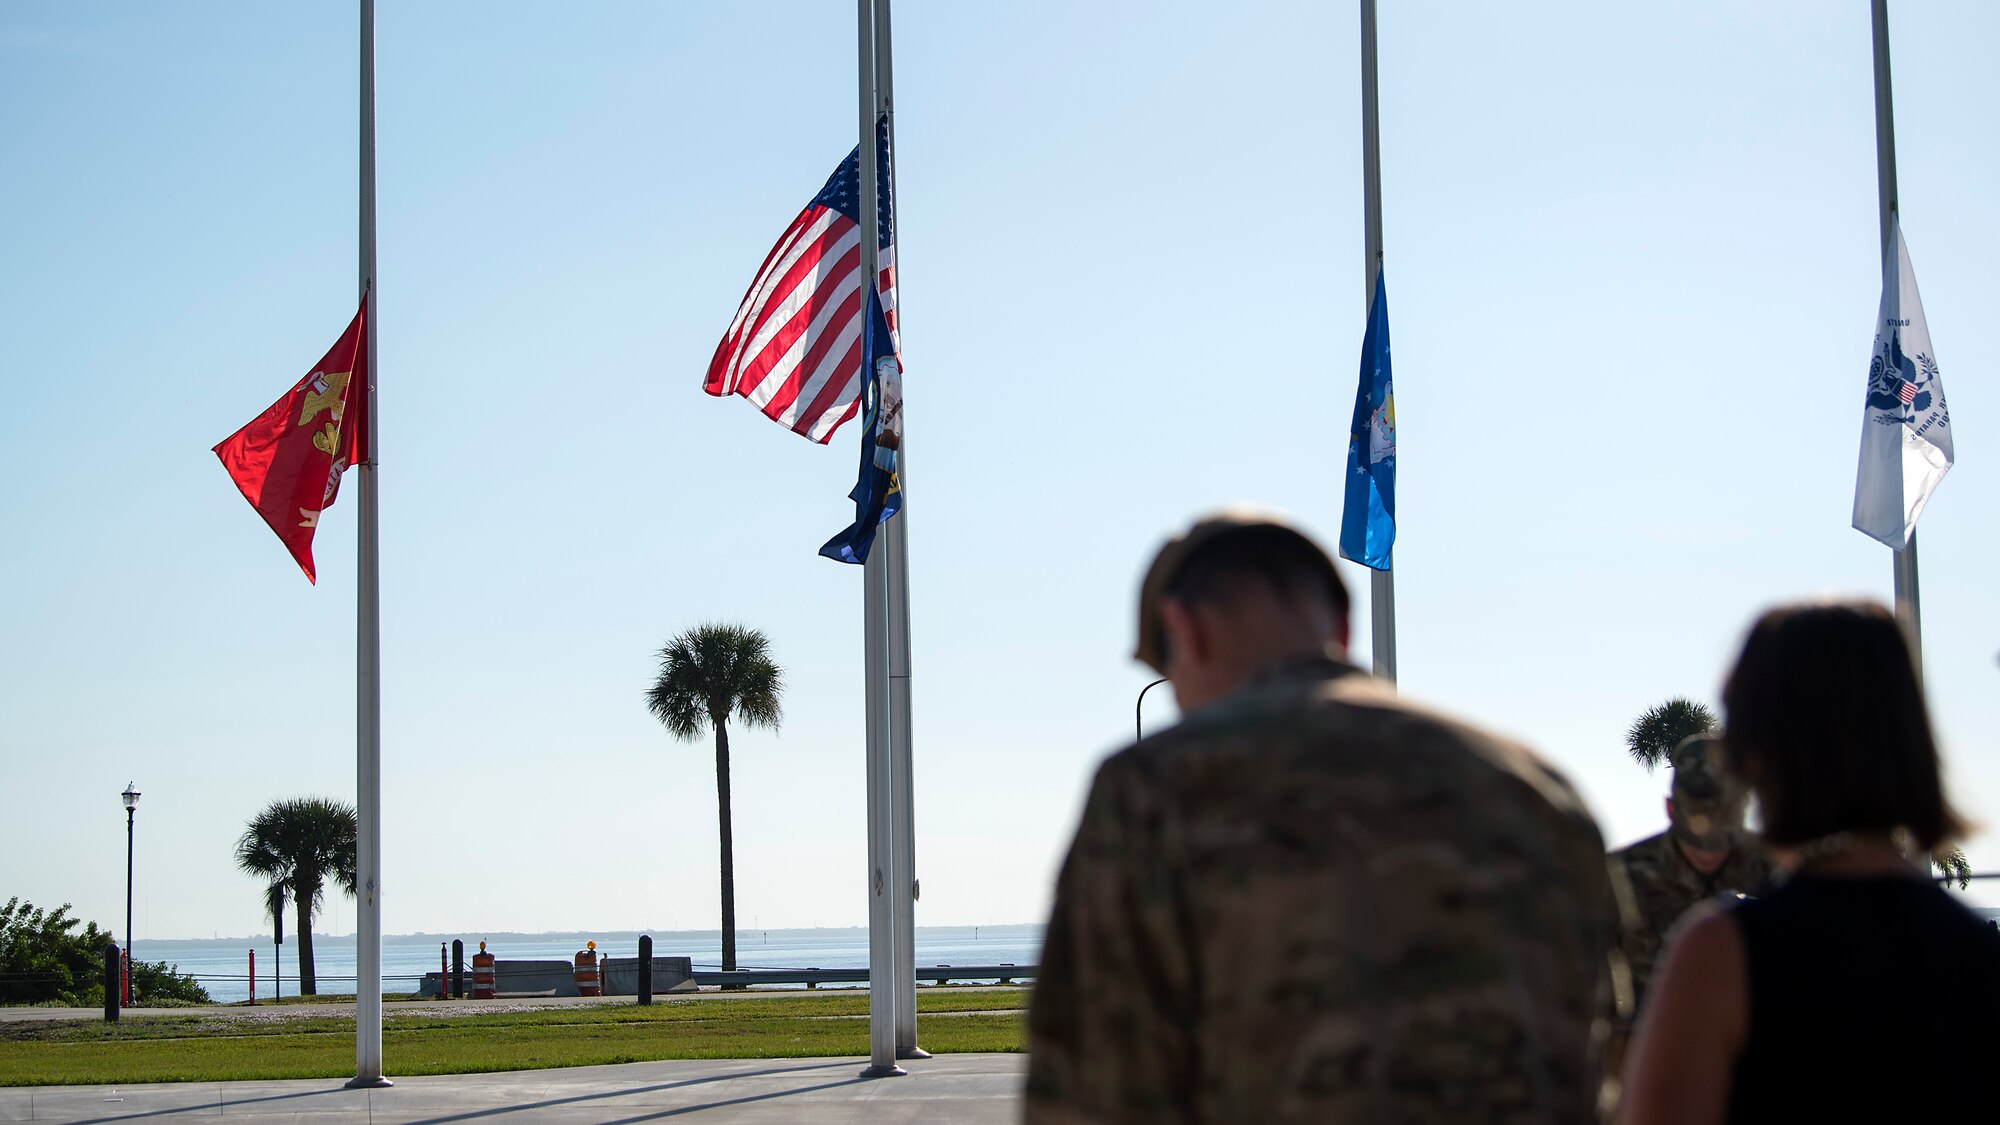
[{"x": 795, "y": 349}]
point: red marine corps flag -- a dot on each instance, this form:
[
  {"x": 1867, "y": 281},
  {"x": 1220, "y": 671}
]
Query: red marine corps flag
[{"x": 289, "y": 459}]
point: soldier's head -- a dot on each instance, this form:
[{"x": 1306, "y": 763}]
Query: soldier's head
[
  {"x": 1238, "y": 592},
  {"x": 1708, "y": 802},
  {"x": 1827, "y": 724}
]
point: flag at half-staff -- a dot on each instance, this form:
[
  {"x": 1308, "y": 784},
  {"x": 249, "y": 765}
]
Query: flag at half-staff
[
  {"x": 1368, "y": 517},
  {"x": 797, "y": 348},
  {"x": 1906, "y": 433},
  {"x": 878, "y": 490},
  {"x": 288, "y": 460}
]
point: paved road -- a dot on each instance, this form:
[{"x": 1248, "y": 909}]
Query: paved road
[{"x": 947, "y": 1090}]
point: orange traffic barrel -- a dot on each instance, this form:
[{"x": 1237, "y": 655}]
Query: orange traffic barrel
[
  {"x": 587, "y": 983},
  {"x": 482, "y": 975}
]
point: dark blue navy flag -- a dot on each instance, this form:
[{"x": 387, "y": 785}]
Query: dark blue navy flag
[
  {"x": 878, "y": 492},
  {"x": 1368, "y": 521}
]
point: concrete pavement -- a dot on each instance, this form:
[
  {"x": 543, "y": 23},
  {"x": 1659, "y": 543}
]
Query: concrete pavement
[{"x": 946, "y": 1090}]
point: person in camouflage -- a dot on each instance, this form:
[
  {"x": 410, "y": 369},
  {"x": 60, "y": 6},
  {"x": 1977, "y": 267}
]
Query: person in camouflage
[
  {"x": 1704, "y": 852},
  {"x": 1312, "y": 900}
]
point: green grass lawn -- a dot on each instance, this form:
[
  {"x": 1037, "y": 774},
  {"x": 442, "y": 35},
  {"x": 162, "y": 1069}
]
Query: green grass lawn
[{"x": 208, "y": 1047}]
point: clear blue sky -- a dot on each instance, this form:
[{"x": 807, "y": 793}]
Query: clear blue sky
[{"x": 1632, "y": 267}]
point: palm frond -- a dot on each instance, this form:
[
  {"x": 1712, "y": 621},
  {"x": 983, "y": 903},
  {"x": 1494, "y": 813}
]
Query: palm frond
[
  {"x": 297, "y": 844},
  {"x": 712, "y": 673},
  {"x": 1653, "y": 735},
  {"x": 1951, "y": 863}
]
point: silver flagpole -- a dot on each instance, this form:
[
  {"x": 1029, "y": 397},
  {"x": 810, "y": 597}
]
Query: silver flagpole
[
  {"x": 1907, "y": 611},
  {"x": 368, "y": 639},
  {"x": 897, "y": 544},
  {"x": 875, "y": 632},
  {"x": 1382, "y": 583},
  {"x": 1904, "y": 561}
]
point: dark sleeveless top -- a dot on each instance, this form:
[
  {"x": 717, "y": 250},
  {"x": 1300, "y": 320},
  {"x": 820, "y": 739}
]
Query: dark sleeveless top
[{"x": 1871, "y": 999}]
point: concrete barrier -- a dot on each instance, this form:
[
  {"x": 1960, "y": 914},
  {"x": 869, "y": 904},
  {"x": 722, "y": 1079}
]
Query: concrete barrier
[
  {"x": 515, "y": 978},
  {"x": 670, "y": 974},
  {"x": 675, "y": 974},
  {"x": 813, "y": 978}
]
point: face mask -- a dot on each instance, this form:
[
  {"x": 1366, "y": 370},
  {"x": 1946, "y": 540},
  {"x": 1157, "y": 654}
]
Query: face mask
[{"x": 1708, "y": 803}]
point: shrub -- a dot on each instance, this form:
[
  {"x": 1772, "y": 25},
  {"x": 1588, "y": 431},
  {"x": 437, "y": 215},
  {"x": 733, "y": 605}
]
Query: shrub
[{"x": 46, "y": 959}]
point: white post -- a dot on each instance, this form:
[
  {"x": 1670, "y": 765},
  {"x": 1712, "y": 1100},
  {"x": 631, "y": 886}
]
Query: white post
[
  {"x": 368, "y": 639},
  {"x": 875, "y": 631},
  {"x": 1382, "y": 583},
  {"x": 897, "y": 544},
  {"x": 881, "y": 845},
  {"x": 1907, "y": 611}
]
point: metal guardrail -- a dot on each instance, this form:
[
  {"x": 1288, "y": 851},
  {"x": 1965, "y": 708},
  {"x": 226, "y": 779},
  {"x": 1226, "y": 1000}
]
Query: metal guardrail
[{"x": 812, "y": 977}]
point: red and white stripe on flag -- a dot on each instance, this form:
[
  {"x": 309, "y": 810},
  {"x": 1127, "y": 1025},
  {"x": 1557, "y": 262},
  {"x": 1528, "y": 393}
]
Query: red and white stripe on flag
[{"x": 794, "y": 348}]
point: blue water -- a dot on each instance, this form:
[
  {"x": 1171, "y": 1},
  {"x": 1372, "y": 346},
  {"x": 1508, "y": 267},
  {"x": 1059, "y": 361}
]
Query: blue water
[{"x": 222, "y": 965}]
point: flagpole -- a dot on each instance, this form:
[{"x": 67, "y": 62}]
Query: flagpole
[
  {"x": 1907, "y": 610},
  {"x": 882, "y": 873},
  {"x": 897, "y": 545},
  {"x": 368, "y": 638},
  {"x": 1381, "y": 583}
]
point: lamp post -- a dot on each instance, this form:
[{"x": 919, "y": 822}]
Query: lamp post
[
  {"x": 131, "y": 796},
  {"x": 1138, "y": 709}
]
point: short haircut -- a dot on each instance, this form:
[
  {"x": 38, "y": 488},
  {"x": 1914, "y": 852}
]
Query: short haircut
[
  {"x": 1273, "y": 557},
  {"x": 1827, "y": 724}
]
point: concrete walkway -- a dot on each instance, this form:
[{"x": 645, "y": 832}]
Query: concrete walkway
[{"x": 947, "y": 1090}]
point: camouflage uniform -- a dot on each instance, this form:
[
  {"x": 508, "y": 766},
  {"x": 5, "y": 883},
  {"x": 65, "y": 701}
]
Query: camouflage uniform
[
  {"x": 1653, "y": 879},
  {"x": 1661, "y": 885},
  {"x": 1314, "y": 902}
]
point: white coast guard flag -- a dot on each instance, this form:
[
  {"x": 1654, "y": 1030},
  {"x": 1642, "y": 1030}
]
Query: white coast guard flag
[{"x": 1906, "y": 432}]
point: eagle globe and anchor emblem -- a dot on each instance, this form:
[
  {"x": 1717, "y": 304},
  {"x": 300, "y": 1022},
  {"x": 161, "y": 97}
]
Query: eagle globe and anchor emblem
[{"x": 1900, "y": 387}]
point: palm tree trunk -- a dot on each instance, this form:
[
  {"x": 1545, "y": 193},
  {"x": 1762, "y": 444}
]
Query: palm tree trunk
[
  {"x": 304, "y": 893},
  {"x": 728, "y": 847}
]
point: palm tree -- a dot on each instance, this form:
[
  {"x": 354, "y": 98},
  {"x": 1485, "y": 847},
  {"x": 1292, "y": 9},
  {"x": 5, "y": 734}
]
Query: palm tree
[
  {"x": 294, "y": 846},
  {"x": 1654, "y": 734},
  {"x": 1952, "y": 866},
  {"x": 706, "y": 675}
]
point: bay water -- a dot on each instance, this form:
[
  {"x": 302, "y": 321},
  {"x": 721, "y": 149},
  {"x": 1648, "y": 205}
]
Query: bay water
[{"x": 222, "y": 965}]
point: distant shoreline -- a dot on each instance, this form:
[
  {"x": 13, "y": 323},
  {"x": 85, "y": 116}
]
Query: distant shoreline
[{"x": 601, "y": 936}]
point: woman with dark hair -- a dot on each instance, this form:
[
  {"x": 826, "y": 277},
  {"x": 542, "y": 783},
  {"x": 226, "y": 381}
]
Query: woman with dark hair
[{"x": 1857, "y": 990}]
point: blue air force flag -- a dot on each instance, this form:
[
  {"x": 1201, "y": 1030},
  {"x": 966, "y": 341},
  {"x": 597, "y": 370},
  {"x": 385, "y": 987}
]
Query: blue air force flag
[
  {"x": 1368, "y": 520},
  {"x": 1906, "y": 429}
]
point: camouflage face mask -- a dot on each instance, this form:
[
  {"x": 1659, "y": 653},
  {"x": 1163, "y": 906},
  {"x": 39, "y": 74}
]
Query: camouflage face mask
[{"x": 1708, "y": 803}]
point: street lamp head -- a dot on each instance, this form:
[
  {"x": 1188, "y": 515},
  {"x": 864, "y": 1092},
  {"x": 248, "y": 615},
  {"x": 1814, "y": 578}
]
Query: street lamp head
[{"x": 131, "y": 796}]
